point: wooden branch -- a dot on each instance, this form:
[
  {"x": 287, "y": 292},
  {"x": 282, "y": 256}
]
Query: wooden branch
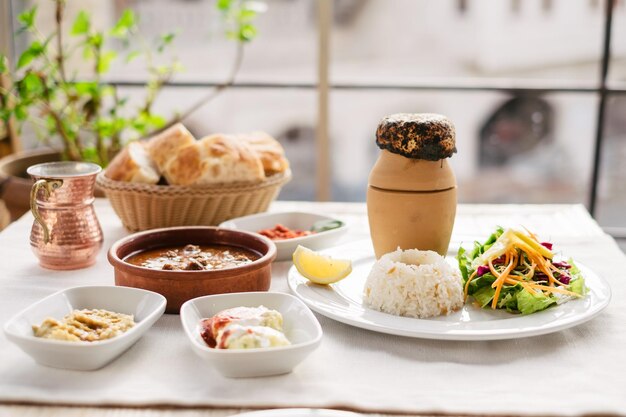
[
  {"x": 206, "y": 99},
  {"x": 14, "y": 139},
  {"x": 59, "y": 23},
  {"x": 74, "y": 151},
  {"x": 97, "y": 103}
]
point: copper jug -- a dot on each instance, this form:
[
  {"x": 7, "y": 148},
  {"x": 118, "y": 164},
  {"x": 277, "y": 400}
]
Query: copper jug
[{"x": 66, "y": 233}]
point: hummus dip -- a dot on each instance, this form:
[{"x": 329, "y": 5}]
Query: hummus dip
[{"x": 85, "y": 325}]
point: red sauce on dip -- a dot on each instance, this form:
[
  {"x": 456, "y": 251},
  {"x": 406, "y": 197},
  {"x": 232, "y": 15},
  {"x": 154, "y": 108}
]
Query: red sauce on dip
[{"x": 280, "y": 232}]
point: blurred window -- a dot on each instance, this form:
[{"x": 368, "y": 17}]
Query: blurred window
[{"x": 522, "y": 81}]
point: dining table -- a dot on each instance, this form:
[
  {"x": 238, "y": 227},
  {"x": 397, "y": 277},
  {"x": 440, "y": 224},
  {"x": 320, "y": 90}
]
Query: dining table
[{"x": 580, "y": 370}]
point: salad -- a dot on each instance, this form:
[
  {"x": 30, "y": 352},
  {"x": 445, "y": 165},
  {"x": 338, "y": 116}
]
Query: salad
[{"x": 513, "y": 270}]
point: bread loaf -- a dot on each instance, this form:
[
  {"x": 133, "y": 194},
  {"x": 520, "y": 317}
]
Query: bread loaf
[
  {"x": 133, "y": 164},
  {"x": 166, "y": 145},
  {"x": 270, "y": 152},
  {"x": 214, "y": 159}
]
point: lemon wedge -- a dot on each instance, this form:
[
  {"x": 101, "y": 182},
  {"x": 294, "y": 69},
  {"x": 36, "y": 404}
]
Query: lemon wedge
[{"x": 319, "y": 268}]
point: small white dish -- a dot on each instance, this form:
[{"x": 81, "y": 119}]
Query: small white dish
[
  {"x": 292, "y": 220},
  {"x": 145, "y": 306},
  {"x": 299, "y": 325}
]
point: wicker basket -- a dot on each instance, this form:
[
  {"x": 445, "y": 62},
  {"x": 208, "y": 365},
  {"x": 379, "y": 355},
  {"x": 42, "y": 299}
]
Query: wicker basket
[{"x": 144, "y": 206}]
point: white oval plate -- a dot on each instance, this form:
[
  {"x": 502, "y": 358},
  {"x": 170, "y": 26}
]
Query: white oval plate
[
  {"x": 343, "y": 302},
  {"x": 298, "y": 412}
]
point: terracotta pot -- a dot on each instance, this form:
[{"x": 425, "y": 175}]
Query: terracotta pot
[
  {"x": 15, "y": 184},
  {"x": 180, "y": 286},
  {"x": 411, "y": 204}
]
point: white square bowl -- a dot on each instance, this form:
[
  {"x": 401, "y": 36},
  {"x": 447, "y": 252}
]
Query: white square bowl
[
  {"x": 299, "y": 325},
  {"x": 145, "y": 306},
  {"x": 292, "y": 220}
]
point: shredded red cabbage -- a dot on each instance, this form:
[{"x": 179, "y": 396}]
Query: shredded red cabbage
[
  {"x": 564, "y": 279},
  {"x": 482, "y": 270}
]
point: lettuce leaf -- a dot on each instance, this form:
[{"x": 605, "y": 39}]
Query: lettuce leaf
[
  {"x": 484, "y": 295},
  {"x": 465, "y": 258},
  {"x": 480, "y": 282},
  {"x": 578, "y": 286},
  {"x": 464, "y": 264},
  {"x": 479, "y": 248},
  {"x": 528, "y": 303},
  {"x": 577, "y": 283}
]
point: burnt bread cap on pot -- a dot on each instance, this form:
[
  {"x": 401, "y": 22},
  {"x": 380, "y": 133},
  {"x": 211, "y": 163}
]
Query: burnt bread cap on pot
[{"x": 417, "y": 135}]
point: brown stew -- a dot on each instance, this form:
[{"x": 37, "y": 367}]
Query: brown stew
[{"x": 193, "y": 257}]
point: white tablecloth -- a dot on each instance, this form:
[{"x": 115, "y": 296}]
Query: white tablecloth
[{"x": 573, "y": 372}]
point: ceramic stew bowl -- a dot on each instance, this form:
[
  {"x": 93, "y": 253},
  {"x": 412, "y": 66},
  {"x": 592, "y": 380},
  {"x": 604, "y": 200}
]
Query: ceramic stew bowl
[{"x": 180, "y": 286}]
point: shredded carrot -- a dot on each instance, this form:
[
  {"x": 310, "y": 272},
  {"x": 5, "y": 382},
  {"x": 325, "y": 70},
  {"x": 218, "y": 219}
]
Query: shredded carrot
[
  {"x": 471, "y": 277},
  {"x": 513, "y": 249},
  {"x": 541, "y": 287},
  {"x": 500, "y": 280}
]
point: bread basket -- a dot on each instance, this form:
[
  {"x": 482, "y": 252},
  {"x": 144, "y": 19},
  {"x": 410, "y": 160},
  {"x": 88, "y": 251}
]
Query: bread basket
[{"x": 145, "y": 206}]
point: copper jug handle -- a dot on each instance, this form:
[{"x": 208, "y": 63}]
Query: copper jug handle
[{"x": 48, "y": 186}]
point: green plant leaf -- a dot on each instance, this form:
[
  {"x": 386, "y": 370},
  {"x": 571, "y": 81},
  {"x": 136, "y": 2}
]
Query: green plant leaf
[
  {"x": 88, "y": 52},
  {"x": 107, "y": 90},
  {"x": 247, "y": 32},
  {"x": 51, "y": 124},
  {"x": 82, "y": 23},
  {"x": 246, "y": 15},
  {"x": 20, "y": 112},
  {"x": 224, "y": 5},
  {"x": 90, "y": 154},
  {"x": 125, "y": 24},
  {"x": 144, "y": 120},
  {"x": 34, "y": 50},
  {"x": 168, "y": 38},
  {"x": 105, "y": 61},
  {"x": 28, "y": 55},
  {"x": 132, "y": 56},
  {"x": 156, "y": 120},
  {"x": 31, "y": 85},
  {"x": 96, "y": 40},
  {"x": 27, "y": 17},
  {"x": 3, "y": 64},
  {"x": 104, "y": 127},
  {"x": 5, "y": 114},
  {"x": 165, "y": 40},
  {"x": 86, "y": 87},
  {"x": 120, "y": 103},
  {"x": 160, "y": 70}
]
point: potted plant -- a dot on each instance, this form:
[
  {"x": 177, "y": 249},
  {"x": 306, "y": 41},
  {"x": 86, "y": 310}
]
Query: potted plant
[{"x": 89, "y": 119}]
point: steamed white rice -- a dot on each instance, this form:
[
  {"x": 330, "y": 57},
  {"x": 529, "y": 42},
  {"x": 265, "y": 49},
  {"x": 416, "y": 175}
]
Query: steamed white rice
[{"x": 413, "y": 283}]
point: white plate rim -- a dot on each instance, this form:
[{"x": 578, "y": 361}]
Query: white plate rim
[
  {"x": 298, "y": 412},
  {"x": 374, "y": 320}
]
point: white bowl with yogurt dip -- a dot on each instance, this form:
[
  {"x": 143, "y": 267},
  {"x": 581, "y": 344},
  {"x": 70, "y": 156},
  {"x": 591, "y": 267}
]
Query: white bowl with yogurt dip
[
  {"x": 146, "y": 307},
  {"x": 299, "y": 326}
]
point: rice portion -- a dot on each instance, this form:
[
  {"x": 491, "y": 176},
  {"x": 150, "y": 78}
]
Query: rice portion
[{"x": 413, "y": 283}]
